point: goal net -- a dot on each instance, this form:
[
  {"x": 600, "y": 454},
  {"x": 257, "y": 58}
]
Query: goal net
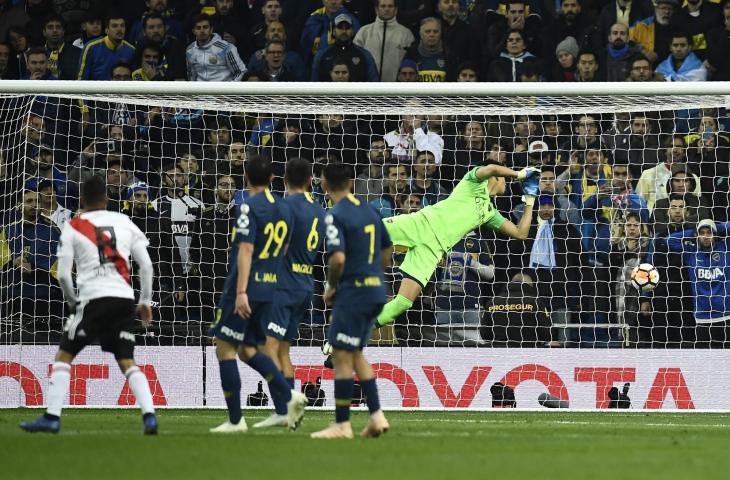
[{"x": 628, "y": 177}]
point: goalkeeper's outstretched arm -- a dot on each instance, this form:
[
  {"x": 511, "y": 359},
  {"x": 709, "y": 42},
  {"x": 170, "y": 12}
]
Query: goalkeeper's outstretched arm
[
  {"x": 488, "y": 171},
  {"x": 522, "y": 229}
]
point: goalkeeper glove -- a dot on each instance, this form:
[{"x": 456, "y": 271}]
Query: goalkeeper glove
[
  {"x": 531, "y": 186},
  {"x": 528, "y": 173}
]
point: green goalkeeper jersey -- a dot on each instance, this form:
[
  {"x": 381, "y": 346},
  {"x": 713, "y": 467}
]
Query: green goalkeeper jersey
[{"x": 465, "y": 210}]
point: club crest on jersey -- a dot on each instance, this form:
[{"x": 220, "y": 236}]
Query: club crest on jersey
[
  {"x": 356, "y": 60},
  {"x": 715, "y": 257},
  {"x": 213, "y": 59}
]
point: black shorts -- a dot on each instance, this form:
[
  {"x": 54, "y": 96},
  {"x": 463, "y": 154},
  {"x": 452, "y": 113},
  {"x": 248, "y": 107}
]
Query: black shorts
[{"x": 110, "y": 320}]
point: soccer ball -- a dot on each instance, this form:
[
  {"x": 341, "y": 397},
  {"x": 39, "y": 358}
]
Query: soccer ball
[{"x": 645, "y": 277}]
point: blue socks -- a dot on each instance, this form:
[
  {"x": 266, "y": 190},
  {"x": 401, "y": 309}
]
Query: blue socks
[
  {"x": 279, "y": 405},
  {"x": 231, "y": 383},
  {"x": 343, "y": 398},
  {"x": 370, "y": 392},
  {"x": 278, "y": 385}
]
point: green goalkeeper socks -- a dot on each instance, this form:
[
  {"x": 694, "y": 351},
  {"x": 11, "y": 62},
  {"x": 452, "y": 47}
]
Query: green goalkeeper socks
[{"x": 393, "y": 309}]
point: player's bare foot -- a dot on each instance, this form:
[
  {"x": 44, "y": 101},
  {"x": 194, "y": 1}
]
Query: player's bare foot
[
  {"x": 377, "y": 425},
  {"x": 336, "y": 430}
]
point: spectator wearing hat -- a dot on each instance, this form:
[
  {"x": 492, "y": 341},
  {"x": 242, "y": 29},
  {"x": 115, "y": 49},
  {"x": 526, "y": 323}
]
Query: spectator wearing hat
[
  {"x": 40, "y": 167},
  {"x": 718, "y": 45},
  {"x": 408, "y": 71},
  {"x": 552, "y": 258},
  {"x": 359, "y": 61},
  {"x": 361, "y": 66},
  {"x": 618, "y": 54},
  {"x": 170, "y": 280},
  {"x": 319, "y": 30},
  {"x": 91, "y": 28},
  {"x": 706, "y": 252},
  {"x": 566, "y": 54},
  {"x": 682, "y": 65},
  {"x": 654, "y": 34},
  {"x": 386, "y": 40}
]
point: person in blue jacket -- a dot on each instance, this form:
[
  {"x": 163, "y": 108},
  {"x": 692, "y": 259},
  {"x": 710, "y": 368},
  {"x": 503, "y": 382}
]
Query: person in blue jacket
[
  {"x": 706, "y": 254},
  {"x": 102, "y": 54}
]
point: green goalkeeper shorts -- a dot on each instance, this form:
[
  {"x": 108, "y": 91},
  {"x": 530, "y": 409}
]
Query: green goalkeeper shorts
[{"x": 424, "y": 252}]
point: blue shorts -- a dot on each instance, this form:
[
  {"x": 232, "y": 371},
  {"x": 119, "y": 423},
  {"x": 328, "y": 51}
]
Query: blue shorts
[
  {"x": 236, "y": 330},
  {"x": 287, "y": 312},
  {"x": 352, "y": 325}
]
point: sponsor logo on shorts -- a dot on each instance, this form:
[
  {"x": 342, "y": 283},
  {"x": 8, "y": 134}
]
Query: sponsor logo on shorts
[
  {"x": 227, "y": 331},
  {"x": 126, "y": 336},
  {"x": 276, "y": 328},
  {"x": 354, "y": 341}
]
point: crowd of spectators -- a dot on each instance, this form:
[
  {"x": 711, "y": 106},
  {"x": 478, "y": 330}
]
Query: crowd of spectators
[
  {"x": 616, "y": 189},
  {"x": 367, "y": 40}
]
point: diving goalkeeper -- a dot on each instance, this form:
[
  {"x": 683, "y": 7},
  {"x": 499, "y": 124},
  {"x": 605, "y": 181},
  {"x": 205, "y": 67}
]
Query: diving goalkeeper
[{"x": 430, "y": 233}]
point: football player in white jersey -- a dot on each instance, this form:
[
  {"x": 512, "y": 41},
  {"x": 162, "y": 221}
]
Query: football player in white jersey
[{"x": 100, "y": 242}]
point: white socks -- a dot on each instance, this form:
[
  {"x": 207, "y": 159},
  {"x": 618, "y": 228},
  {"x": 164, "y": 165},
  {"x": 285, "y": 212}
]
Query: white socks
[
  {"x": 58, "y": 387},
  {"x": 141, "y": 389}
]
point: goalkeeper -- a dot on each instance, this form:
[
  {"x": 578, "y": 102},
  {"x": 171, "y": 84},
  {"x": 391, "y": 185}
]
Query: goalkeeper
[{"x": 427, "y": 235}]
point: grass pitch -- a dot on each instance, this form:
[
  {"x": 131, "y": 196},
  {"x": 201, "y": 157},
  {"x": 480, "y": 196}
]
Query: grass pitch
[{"x": 108, "y": 444}]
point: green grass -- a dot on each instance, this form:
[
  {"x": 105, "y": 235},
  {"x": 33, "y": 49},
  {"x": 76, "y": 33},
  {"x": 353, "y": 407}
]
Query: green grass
[{"x": 108, "y": 444}]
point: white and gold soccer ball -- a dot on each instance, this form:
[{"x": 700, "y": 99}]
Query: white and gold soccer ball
[{"x": 645, "y": 277}]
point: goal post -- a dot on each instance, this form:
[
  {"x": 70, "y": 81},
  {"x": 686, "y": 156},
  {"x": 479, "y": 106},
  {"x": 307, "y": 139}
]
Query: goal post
[{"x": 629, "y": 173}]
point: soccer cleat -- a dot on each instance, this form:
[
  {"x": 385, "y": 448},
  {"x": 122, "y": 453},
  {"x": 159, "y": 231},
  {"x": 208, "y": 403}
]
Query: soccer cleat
[
  {"x": 229, "y": 427},
  {"x": 150, "y": 424},
  {"x": 273, "y": 420},
  {"x": 377, "y": 425},
  {"x": 295, "y": 409},
  {"x": 42, "y": 424},
  {"x": 334, "y": 431}
]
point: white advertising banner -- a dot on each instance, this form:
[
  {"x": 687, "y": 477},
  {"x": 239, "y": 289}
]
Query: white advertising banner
[{"x": 428, "y": 378}]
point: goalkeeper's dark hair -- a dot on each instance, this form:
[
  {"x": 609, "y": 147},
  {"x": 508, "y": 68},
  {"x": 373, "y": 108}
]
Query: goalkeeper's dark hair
[
  {"x": 259, "y": 170},
  {"x": 93, "y": 192},
  {"x": 298, "y": 172},
  {"x": 338, "y": 176}
]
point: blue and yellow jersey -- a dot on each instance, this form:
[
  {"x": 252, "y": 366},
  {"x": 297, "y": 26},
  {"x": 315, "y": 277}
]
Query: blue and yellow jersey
[
  {"x": 264, "y": 221},
  {"x": 307, "y": 223},
  {"x": 356, "y": 229},
  {"x": 100, "y": 56}
]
